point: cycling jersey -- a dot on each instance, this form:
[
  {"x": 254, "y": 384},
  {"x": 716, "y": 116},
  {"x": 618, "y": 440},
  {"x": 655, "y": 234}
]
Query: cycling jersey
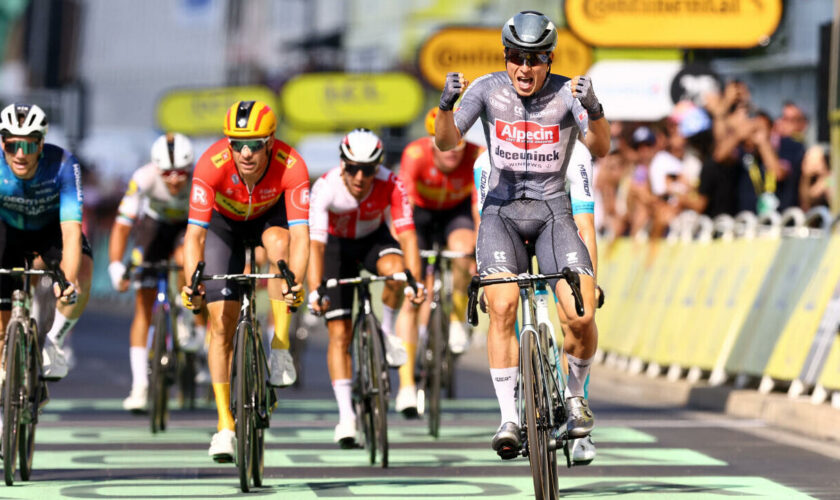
[
  {"x": 427, "y": 186},
  {"x": 218, "y": 187},
  {"x": 530, "y": 139},
  {"x": 334, "y": 211},
  {"x": 53, "y": 194},
  {"x": 578, "y": 179},
  {"x": 147, "y": 192}
]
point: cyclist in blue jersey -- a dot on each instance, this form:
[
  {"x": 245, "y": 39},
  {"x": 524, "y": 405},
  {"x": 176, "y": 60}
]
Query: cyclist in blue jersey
[
  {"x": 41, "y": 213},
  {"x": 531, "y": 119}
]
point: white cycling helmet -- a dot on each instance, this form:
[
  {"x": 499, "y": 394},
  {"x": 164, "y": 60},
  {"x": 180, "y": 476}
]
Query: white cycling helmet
[
  {"x": 529, "y": 31},
  {"x": 172, "y": 152},
  {"x": 23, "y": 120},
  {"x": 361, "y": 146}
]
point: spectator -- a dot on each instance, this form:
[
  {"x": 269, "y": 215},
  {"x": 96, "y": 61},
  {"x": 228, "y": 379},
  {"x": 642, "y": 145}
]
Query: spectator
[
  {"x": 790, "y": 153},
  {"x": 611, "y": 180},
  {"x": 814, "y": 188},
  {"x": 640, "y": 200},
  {"x": 793, "y": 123}
]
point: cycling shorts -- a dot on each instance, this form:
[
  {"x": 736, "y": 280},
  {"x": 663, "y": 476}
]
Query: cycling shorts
[
  {"x": 343, "y": 257},
  {"x": 156, "y": 241},
  {"x": 435, "y": 226},
  {"x": 225, "y": 247},
  {"x": 506, "y": 226},
  {"x": 16, "y": 244}
]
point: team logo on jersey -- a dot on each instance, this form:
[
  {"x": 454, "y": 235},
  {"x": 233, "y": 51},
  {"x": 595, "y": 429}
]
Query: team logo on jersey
[
  {"x": 282, "y": 156},
  {"x": 221, "y": 158},
  {"x": 132, "y": 188},
  {"x": 199, "y": 196},
  {"x": 522, "y": 133},
  {"x": 300, "y": 196}
]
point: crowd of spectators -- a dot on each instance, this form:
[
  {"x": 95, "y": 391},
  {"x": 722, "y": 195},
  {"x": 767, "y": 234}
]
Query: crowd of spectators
[{"x": 724, "y": 157}]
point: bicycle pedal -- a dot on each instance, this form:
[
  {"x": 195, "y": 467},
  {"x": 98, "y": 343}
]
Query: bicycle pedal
[
  {"x": 223, "y": 458},
  {"x": 509, "y": 452}
]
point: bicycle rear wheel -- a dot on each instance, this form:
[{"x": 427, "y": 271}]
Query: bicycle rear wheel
[
  {"x": 157, "y": 377},
  {"x": 243, "y": 384},
  {"x": 380, "y": 382},
  {"x": 434, "y": 374},
  {"x": 29, "y": 416},
  {"x": 12, "y": 399},
  {"x": 536, "y": 417},
  {"x": 258, "y": 448}
]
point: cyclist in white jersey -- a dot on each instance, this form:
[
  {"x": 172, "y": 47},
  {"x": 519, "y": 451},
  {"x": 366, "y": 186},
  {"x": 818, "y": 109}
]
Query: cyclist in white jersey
[
  {"x": 531, "y": 119},
  {"x": 155, "y": 205}
]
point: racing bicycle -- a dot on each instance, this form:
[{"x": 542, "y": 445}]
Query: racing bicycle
[
  {"x": 252, "y": 399},
  {"x": 371, "y": 380},
  {"x": 543, "y": 409},
  {"x": 24, "y": 391}
]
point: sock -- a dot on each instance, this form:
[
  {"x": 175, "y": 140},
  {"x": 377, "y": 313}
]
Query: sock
[
  {"x": 139, "y": 361},
  {"x": 222, "y": 392},
  {"x": 282, "y": 321},
  {"x": 343, "y": 389},
  {"x": 406, "y": 371},
  {"x": 422, "y": 334},
  {"x": 459, "y": 307},
  {"x": 389, "y": 319},
  {"x": 578, "y": 371},
  {"x": 61, "y": 325},
  {"x": 504, "y": 381}
]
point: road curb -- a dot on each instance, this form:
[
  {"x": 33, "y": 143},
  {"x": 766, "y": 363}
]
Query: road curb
[{"x": 820, "y": 421}]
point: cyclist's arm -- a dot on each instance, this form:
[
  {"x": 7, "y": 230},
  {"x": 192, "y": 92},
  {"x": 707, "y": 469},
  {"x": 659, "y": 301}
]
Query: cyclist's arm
[
  {"x": 597, "y": 139},
  {"x": 411, "y": 250},
  {"x": 448, "y": 131},
  {"x": 579, "y": 179},
  {"x": 316, "y": 264},
  {"x": 118, "y": 241},
  {"x": 194, "y": 240},
  {"x": 71, "y": 254},
  {"x": 447, "y": 135},
  {"x": 299, "y": 251}
]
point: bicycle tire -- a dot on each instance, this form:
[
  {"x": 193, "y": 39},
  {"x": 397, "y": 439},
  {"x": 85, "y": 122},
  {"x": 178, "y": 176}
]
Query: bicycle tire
[
  {"x": 186, "y": 379},
  {"x": 550, "y": 395},
  {"x": 32, "y": 382},
  {"x": 157, "y": 375},
  {"x": 258, "y": 448},
  {"x": 379, "y": 396},
  {"x": 241, "y": 374},
  {"x": 532, "y": 385},
  {"x": 362, "y": 389},
  {"x": 12, "y": 398},
  {"x": 435, "y": 368}
]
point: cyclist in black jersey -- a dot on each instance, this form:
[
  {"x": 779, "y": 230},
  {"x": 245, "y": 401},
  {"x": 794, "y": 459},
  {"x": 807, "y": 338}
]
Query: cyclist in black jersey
[{"x": 531, "y": 119}]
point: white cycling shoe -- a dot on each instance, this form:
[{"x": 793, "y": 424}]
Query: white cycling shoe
[
  {"x": 395, "y": 353},
  {"x": 583, "y": 451},
  {"x": 406, "y": 402},
  {"x": 136, "y": 400},
  {"x": 54, "y": 362},
  {"x": 222, "y": 446},
  {"x": 282, "y": 368},
  {"x": 459, "y": 337},
  {"x": 345, "y": 434}
]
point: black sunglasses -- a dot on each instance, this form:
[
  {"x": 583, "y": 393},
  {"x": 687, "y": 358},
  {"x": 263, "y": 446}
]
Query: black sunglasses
[
  {"x": 367, "y": 169},
  {"x": 530, "y": 58}
]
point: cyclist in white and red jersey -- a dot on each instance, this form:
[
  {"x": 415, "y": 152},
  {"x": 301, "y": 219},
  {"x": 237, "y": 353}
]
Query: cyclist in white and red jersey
[
  {"x": 155, "y": 207},
  {"x": 248, "y": 187},
  {"x": 349, "y": 207},
  {"x": 531, "y": 119}
]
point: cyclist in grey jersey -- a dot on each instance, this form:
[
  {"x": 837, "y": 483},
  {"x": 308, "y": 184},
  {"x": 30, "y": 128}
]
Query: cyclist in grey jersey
[{"x": 529, "y": 119}]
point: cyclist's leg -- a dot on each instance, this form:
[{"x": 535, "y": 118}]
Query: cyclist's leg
[
  {"x": 501, "y": 252},
  {"x": 424, "y": 221},
  {"x": 138, "y": 349},
  {"x": 12, "y": 243},
  {"x": 460, "y": 237},
  {"x": 199, "y": 329}
]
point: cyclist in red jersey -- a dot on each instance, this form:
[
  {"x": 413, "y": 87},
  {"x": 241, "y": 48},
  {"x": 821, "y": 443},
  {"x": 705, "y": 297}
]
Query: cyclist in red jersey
[
  {"x": 440, "y": 186},
  {"x": 249, "y": 186}
]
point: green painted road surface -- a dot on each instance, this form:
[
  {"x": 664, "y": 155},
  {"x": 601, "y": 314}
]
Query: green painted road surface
[{"x": 89, "y": 448}]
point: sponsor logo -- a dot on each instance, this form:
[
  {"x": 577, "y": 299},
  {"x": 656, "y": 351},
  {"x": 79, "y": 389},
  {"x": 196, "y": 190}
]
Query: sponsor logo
[
  {"x": 499, "y": 256},
  {"x": 553, "y": 156},
  {"x": 221, "y": 158},
  {"x": 300, "y": 196},
  {"x": 498, "y": 104},
  {"x": 199, "y": 196},
  {"x": 571, "y": 258},
  {"x": 132, "y": 188},
  {"x": 522, "y": 133},
  {"x": 585, "y": 179}
]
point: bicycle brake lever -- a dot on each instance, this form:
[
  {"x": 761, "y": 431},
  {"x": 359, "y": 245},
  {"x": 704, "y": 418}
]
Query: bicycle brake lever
[
  {"x": 196, "y": 280},
  {"x": 289, "y": 276},
  {"x": 472, "y": 313}
]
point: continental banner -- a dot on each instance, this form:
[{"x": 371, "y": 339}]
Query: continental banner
[
  {"x": 478, "y": 51},
  {"x": 674, "y": 23}
]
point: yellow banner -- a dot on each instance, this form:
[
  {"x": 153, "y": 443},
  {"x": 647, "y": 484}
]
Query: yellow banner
[
  {"x": 336, "y": 101},
  {"x": 674, "y": 23},
  {"x": 830, "y": 377},
  {"x": 791, "y": 349},
  {"x": 478, "y": 51},
  {"x": 202, "y": 111}
]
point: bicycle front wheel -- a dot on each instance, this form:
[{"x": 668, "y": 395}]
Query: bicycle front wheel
[
  {"x": 537, "y": 419},
  {"x": 434, "y": 374},
  {"x": 29, "y": 416},
  {"x": 243, "y": 385},
  {"x": 12, "y": 397},
  {"x": 379, "y": 396},
  {"x": 158, "y": 393},
  {"x": 260, "y": 400}
]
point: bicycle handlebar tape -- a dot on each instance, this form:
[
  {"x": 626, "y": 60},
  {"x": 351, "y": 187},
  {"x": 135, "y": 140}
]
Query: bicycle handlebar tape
[
  {"x": 289, "y": 276},
  {"x": 411, "y": 281},
  {"x": 196, "y": 280},
  {"x": 472, "y": 313}
]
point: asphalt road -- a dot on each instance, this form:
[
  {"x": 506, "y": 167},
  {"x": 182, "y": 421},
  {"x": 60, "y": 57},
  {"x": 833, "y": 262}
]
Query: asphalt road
[{"x": 87, "y": 447}]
